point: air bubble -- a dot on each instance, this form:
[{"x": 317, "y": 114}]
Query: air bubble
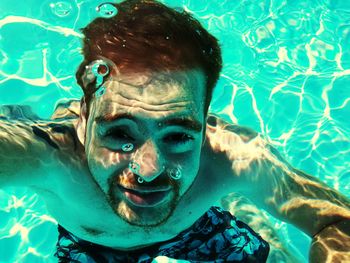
[
  {"x": 175, "y": 174},
  {"x": 128, "y": 147},
  {"x": 107, "y": 10},
  {"x": 100, "y": 92},
  {"x": 100, "y": 68},
  {"x": 140, "y": 180},
  {"x": 61, "y": 9}
]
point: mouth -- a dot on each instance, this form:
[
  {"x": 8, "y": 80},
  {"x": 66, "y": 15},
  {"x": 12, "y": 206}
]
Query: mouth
[{"x": 145, "y": 197}]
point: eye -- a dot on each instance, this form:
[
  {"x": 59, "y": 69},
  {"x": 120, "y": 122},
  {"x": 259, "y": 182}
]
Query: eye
[
  {"x": 178, "y": 138},
  {"x": 118, "y": 134}
]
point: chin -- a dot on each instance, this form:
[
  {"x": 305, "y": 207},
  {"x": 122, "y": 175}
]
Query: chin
[{"x": 144, "y": 208}]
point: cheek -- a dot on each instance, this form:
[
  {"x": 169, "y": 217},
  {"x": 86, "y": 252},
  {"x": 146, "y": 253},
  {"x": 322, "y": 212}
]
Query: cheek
[
  {"x": 189, "y": 165},
  {"x": 102, "y": 156},
  {"x": 112, "y": 158}
]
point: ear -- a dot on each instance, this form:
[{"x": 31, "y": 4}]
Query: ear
[{"x": 81, "y": 125}]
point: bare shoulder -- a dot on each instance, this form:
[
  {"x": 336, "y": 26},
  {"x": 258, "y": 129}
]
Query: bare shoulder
[
  {"x": 66, "y": 109},
  {"x": 33, "y": 142},
  {"x": 239, "y": 143},
  {"x": 217, "y": 126},
  {"x": 58, "y": 133},
  {"x": 63, "y": 125},
  {"x": 233, "y": 151}
]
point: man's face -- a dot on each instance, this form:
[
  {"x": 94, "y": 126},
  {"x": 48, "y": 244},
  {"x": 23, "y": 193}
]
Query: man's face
[{"x": 146, "y": 130}]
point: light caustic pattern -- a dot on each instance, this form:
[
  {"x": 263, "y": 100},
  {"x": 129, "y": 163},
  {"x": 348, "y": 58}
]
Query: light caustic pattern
[{"x": 286, "y": 74}]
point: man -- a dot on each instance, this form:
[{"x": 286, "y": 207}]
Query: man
[{"x": 136, "y": 175}]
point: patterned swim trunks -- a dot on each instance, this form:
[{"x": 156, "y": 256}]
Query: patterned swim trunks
[{"x": 217, "y": 236}]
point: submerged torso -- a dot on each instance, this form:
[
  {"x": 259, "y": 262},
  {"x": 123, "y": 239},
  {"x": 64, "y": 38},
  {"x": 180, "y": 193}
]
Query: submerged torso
[{"x": 79, "y": 205}]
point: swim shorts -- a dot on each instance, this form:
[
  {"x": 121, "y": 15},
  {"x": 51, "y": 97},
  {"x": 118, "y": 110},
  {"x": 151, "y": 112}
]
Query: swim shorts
[{"x": 217, "y": 236}]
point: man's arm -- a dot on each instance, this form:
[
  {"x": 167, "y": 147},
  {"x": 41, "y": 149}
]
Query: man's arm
[
  {"x": 332, "y": 244},
  {"x": 27, "y": 146},
  {"x": 285, "y": 192}
]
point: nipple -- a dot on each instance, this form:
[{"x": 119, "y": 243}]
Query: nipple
[{"x": 107, "y": 10}]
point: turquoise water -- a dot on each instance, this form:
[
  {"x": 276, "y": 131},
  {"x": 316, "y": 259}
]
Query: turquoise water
[{"x": 286, "y": 74}]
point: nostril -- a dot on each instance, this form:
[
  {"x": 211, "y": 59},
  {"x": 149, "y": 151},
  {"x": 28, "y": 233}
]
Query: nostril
[
  {"x": 134, "y": 167},
  {"x": 146, "y": 173}
]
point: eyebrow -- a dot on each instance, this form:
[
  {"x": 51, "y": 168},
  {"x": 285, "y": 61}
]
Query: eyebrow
[{"x": 186, "y": 122}]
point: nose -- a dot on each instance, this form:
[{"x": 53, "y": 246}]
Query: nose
[{"x": 149, "y": 161}]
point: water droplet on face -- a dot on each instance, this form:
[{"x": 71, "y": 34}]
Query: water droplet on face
[
  {"x": 134, "y": 167},
  {"x": 61, "y": 9},
  {"x": 100, "y": 92},
  {"x": 107, "y": 10},
  {"x": 128, "y": 147},
  {"x": 175, "y": 174}
]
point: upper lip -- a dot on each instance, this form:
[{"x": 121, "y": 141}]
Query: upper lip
[{"x": 147, "y": 190}]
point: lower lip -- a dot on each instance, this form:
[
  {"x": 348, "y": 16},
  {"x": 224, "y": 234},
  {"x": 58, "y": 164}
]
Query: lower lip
[{"x": 144, "y": 200}]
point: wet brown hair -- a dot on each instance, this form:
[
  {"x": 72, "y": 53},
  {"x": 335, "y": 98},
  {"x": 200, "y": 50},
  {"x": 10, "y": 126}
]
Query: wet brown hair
[{"x": 148, "y": 35}]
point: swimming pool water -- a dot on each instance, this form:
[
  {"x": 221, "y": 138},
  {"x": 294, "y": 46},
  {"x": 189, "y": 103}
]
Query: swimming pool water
[{"x": 286, "y": 74}]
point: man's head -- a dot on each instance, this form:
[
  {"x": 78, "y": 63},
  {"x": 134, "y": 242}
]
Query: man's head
[
  {"x": 146, "y": 35},
  {"x": 147, "y": 129}
]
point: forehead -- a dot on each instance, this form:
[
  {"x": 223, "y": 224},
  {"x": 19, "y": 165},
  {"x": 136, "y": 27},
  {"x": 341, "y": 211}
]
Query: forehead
[{"x": 158, "y": 94}]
